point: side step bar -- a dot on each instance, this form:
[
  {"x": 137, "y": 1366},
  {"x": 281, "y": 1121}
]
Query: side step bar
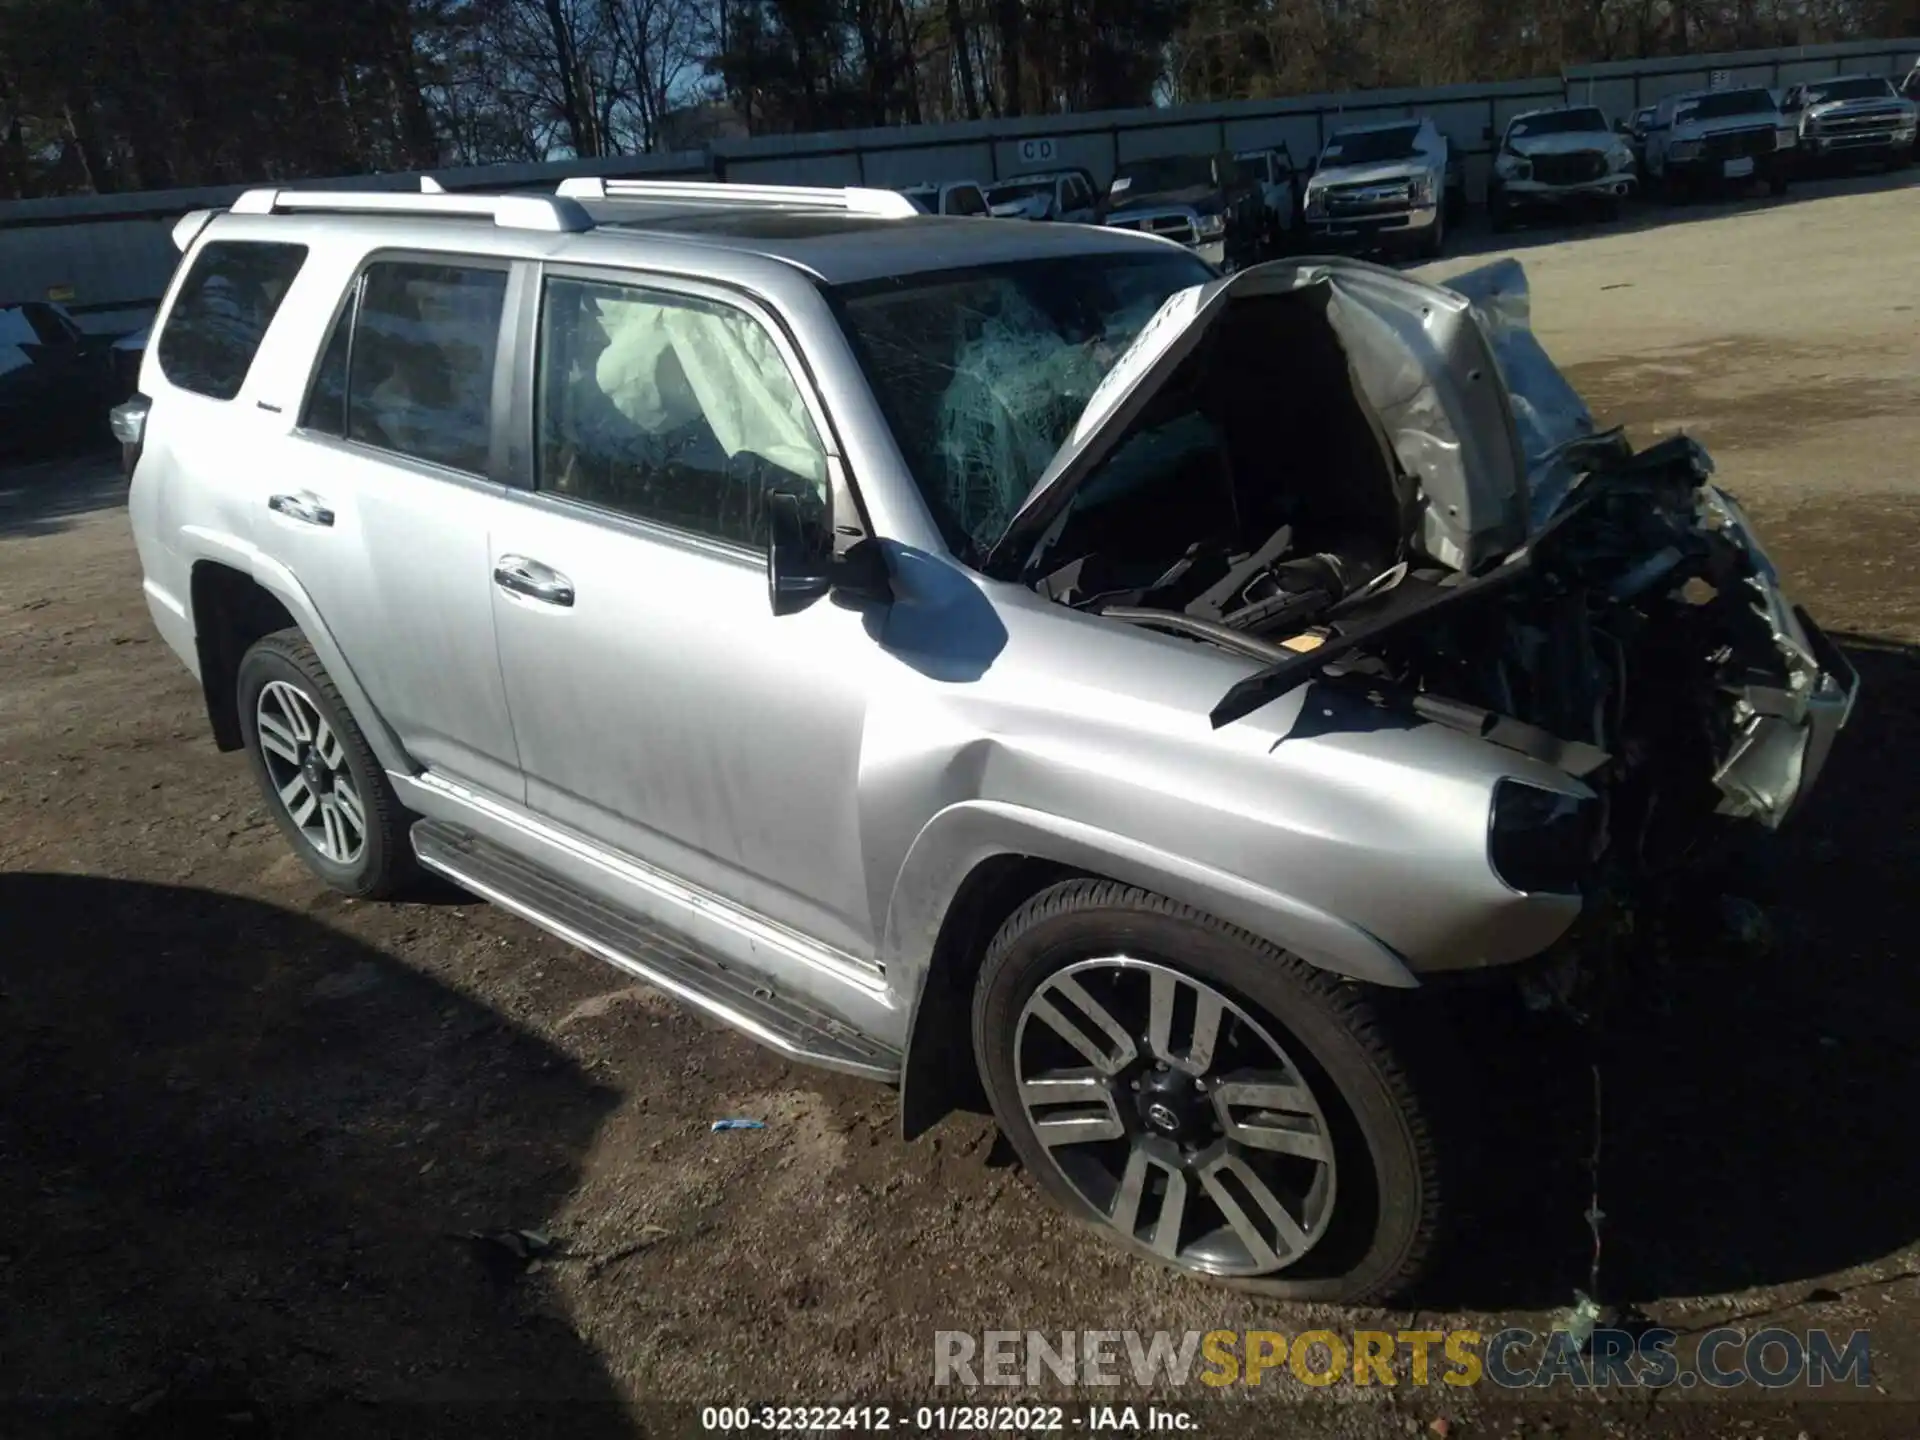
[{"x": 744, "y": 1000}]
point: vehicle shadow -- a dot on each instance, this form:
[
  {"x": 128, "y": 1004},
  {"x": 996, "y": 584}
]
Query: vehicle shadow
[
  {"x": 1478, "y": 237},
  {"x": 44, "y": 497},
  {"x": 238, "y": 1153},
  {"x": 1754, "y": 1127}
]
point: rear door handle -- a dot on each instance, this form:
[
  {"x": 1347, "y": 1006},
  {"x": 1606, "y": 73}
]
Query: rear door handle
[
  {"x": 304, "y": 506},
  {"x": 532, "y": 579}
]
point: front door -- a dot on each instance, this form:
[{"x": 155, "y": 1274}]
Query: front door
[
  {"x": 379, "y": 501},
  {"x": 660, "y": 707}
]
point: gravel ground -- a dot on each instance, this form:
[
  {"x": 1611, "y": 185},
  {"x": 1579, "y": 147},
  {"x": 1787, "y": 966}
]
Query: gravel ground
[{"x": 247, "y": 1123}]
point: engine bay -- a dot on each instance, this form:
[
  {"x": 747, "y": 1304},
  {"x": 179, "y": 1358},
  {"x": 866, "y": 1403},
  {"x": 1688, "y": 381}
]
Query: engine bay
[{"x": 1635, "y": 639}]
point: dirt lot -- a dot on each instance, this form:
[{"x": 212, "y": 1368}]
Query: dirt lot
[{"x": 245, "y": 1122}]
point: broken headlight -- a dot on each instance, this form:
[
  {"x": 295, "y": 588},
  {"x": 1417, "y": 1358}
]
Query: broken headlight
[{"x": 1539, "y": 840}]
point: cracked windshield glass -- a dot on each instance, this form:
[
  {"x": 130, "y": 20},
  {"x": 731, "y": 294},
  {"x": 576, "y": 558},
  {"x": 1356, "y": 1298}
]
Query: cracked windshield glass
[{"x": 983, "y": 371}]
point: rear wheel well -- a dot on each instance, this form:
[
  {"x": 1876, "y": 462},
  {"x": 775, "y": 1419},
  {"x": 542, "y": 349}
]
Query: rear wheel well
[
  {"x": 231, "y": 610},
  {"x": 939, "y": 1074}
]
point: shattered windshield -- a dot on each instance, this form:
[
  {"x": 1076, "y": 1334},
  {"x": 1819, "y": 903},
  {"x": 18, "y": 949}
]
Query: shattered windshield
[
  {"x": 1559, "y": 122},
  {"x": 1723, "y": 104},
  {"x": 1857, "y": 87},
  {"x": 982, "y": 372},
  {"x": 1365, "y": 147}
]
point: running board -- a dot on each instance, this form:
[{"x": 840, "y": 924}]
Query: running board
[{"x": 742, "y": 999}]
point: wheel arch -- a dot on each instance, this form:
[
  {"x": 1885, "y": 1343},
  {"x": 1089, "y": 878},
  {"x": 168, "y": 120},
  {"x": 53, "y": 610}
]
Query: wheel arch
[
  {"x": 232, "y": 608},
  {"x": 977, "y": 862}
]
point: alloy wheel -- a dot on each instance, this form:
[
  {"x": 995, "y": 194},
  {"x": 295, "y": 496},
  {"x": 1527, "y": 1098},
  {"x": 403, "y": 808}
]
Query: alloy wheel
[
  {"x": 1176, "y": 1116},
  {"x": 307, "y": 767}
]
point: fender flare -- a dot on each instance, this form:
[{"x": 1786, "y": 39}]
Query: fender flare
[
  {"x": 278, "y": 581},
  {"x": 954, "y": 845},
  {"x": 962, "y": 836}
]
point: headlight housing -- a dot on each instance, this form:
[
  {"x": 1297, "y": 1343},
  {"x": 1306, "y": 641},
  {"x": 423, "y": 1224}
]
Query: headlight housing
[
  {"x": 1420, "y": 190},
  {"x": 1212, "y": 225},
  {"x": 1316, "y": 200},
  {"x": 1540, "y": 841},
  {"x": 1683, "y": 150},
  {"x": 1620, "y": 158},
  {"x": 1785, "y": 138},
  {"x": 1513, "y": 167}
]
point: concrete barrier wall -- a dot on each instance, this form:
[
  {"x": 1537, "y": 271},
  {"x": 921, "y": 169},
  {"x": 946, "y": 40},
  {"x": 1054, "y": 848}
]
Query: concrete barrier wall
[{"x": 112, "y": 253}]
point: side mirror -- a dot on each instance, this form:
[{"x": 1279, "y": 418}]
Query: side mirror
[{"x": 799, "y": 569}]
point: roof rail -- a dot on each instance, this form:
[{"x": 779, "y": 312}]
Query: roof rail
[
  {"x": 512, "y": 212},
  {"x": 855, "y": 200}
]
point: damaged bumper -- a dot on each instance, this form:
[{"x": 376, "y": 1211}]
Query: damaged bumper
[{"x": 1782, "y": 733}]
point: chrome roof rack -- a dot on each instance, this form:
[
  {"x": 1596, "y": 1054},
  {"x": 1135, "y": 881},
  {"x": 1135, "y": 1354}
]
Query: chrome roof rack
[
  {"x": 514, "y": 212},
  {"x": 854, "y": 200}
]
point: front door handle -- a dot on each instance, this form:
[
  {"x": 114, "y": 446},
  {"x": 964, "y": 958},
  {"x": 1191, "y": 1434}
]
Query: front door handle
[
  {"x": 532, "y": 579},
  {"x": 304, "y": 506}
]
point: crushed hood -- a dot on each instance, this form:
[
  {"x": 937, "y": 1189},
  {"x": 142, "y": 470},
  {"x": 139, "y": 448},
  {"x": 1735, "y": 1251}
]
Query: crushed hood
[{"x": 1477, "y": 416}]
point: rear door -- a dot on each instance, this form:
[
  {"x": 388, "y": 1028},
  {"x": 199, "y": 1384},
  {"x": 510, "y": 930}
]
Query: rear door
[{"x": 380, "y": 498}]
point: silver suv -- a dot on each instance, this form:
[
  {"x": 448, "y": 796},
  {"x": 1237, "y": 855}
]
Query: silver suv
[{"x": 993, "y": 659}]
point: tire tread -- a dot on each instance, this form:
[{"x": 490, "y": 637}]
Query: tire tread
[{"x": 1392, "y": 1051}]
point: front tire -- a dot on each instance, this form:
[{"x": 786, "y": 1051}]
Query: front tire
[
  {"x": 326, "y": 790},
  {"x": 1205, "y": 1100}
]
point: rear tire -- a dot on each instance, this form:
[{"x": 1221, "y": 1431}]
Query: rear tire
[
  {"x": 326, "y": 790},
  {"x": 1331, "y": 1072}
]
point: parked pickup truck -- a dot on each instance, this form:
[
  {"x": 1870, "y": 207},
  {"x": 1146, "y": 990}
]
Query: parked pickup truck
[
  {"x": 1561, "y": 159},
  {"x": 1209, "y": 203},
  {"x": 1850, "y": 119},
  {"x": 1068, "y": 195},
  {"x": 1718, "y": 137},
  {"x": 1380, "y": 186},
  {"x": 947, "y": 197}
]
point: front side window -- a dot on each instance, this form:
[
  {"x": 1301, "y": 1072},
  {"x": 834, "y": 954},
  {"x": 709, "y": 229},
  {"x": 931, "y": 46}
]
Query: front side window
[
  {"x": 420, "y": 378},
  {"x": 965, "y": 200},
  {"x": 982, "y": 372},
  {"x": 671, "y": 409},
  {"x": 225, "y": 304}
]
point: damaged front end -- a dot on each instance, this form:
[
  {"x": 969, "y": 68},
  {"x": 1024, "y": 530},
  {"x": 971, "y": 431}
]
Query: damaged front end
[{"x": 1361, "y": 480}]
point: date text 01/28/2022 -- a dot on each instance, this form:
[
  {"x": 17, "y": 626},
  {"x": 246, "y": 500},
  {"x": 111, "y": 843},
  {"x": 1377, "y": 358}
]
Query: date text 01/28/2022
[{"x": 941, "y": 1419}]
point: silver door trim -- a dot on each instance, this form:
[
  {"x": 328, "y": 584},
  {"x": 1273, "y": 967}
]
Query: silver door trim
[{"x": 869, "y": 976}]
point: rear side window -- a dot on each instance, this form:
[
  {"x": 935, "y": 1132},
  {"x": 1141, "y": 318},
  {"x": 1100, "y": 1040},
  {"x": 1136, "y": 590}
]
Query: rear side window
[
  {"x": 419, "y": 369},
  {"x": 225, "y": 304}
]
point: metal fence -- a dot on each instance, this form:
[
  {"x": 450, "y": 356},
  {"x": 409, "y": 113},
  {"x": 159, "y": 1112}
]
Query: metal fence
[{"x": 108, "y": 256}]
